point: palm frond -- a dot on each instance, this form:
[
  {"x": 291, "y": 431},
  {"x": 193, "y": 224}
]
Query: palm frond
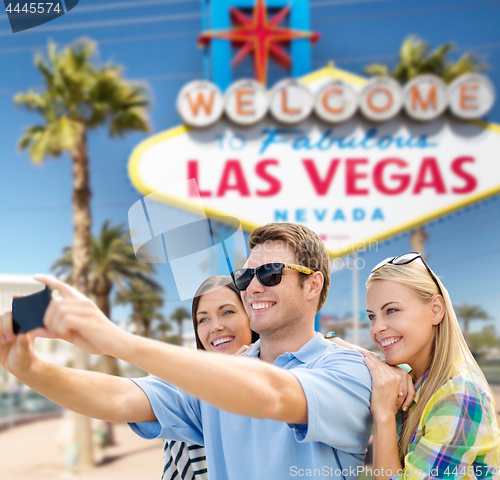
[
  {"x": 77, "y": 94},
  {"x": 415, "y": 58},
  {"x": 112, "y": 260},
  {"x": 377, "y": 69}
]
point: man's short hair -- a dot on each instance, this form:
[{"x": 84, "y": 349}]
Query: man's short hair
[{"x": 310, "y": 251}]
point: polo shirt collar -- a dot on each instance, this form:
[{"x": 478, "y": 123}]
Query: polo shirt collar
[
  {"x": 308, "y": 352},
  {"x": 312, "y": 349},
  {"x": 255, "y": 350}
]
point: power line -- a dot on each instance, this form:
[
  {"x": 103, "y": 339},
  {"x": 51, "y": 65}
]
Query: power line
[
  {"x": 148, "y": 3},
  {"x": 192, "y": 15},
  {"x": 145, "y": 38},
  {"x": 109, "y": 23},
  {"x": 148, "y": 37},
  {"x": 326, "y": 3},
  {"x": 172, "y": 76},
  {"x": 385, "y": 56},
  {"x": 141, "y": 38},
  {"x": 124, "y": 5},
  {"x": 152, "y": 78},
  {"x": 194, "y": 34},
  {"x": 60, "y": 207},
  {"x": 316, "y": 63},
  {"x": 389, "y": 56},
  {"x": 404, "y": 13}
]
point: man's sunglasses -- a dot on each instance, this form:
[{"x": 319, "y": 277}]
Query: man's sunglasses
[
  {"x": 405, "y": 260},
  {"x": 268, "y": 275}
]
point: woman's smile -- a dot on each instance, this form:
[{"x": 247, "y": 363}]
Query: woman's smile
[{"x": 222, "y": 323}]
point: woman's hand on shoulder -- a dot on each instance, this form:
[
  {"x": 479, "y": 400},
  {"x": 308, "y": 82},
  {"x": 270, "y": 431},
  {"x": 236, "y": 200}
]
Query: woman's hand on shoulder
[
  {"x": 392, "y": 387},
  {"x": 243, "y": 350},
  {"x": 407, "y": 389}
]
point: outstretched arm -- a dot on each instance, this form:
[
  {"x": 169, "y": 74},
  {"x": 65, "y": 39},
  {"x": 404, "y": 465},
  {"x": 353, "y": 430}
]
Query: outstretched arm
[
  {"x": 258, "y": 390},
  {"x": 93, "y": 394}
]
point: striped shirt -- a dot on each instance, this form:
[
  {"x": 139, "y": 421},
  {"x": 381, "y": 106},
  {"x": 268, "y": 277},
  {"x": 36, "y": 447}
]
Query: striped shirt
[
  {"x": 183, "y": 461},
  {"x": 458, "y": 435}
]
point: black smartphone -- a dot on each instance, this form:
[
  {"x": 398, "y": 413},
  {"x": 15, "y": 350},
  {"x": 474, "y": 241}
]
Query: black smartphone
[{"x": 28, "y": 311}]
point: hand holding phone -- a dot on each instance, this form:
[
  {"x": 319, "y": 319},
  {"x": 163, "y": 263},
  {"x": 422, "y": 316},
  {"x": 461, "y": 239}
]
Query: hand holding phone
[
  {"x": 71, "y": 317},
  {"x": 28, "y": 311}
]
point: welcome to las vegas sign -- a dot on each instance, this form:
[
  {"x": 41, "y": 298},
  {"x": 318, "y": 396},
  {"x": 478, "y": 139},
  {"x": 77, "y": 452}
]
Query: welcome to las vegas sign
[{"x": 353, "y": 182}]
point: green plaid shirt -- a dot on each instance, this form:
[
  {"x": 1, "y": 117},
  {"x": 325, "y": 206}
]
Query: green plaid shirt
[{"x": 458, "y": 435}]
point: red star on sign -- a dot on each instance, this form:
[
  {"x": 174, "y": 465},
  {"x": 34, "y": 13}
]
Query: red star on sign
[{"x": 260, "y": 36}]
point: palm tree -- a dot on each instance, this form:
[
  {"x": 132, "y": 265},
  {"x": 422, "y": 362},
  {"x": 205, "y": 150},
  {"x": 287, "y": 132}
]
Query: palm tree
[
  {"x": 112, "y": 261},
  {"x": 161, "y": 328},
  {"x": 78, "y": 96},
  {"x": 145, "y": 300},
  {"x": 416, "y": 58},
  {"x": 468, "y": 313},
  {"x": 179, "y": 315},
  {"x": 150, "y": 312},
  {"x": 418, "y": 238}
]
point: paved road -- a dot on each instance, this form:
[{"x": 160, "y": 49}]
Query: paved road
[{"x": 35, "y": 452}]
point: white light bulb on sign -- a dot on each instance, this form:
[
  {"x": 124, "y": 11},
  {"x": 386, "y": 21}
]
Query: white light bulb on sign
[
  {"x": 246, "y": 102},
  {"x": 381, "y": 99},
  {"x": 471, "y": 96},
  {"x": 425, "y": 97},
  {"x": 200, "y": 103},
  {"x": 336, "y": 102},
  {"x": 291, "y": 102}
]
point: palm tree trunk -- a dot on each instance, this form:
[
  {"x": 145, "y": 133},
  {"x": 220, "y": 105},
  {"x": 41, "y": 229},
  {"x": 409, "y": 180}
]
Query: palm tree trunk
[
  {"x": 138, "y": 317},
  {"x": 146, "y": 326},
  {"x": 108, "y": 364},
  {"x": 81, "y": 260},
  {"x": 180, "y": 322},
  {"x": 418, "y": 238}
]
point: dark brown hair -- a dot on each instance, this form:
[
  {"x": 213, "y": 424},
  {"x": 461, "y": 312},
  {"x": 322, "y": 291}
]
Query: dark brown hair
[
  {"x": 209, "y": 285},
  {"x": 310, "y": 251}
]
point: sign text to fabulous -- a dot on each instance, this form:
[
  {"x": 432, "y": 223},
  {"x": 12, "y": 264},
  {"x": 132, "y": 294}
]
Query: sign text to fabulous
[{"x": 389, "y": 176}]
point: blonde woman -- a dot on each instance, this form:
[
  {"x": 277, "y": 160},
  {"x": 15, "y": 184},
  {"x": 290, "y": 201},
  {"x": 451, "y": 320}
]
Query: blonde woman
[{"x": 450, "y": 431}]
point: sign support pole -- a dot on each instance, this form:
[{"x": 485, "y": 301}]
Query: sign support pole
[{"x": 355, "y": 301}]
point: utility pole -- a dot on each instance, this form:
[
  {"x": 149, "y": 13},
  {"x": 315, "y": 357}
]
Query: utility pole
[{"x": 355, "y": 300}]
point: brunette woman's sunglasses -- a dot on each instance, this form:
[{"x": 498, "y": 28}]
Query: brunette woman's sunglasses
[
  {"x": 268, "y": 275},
  {"x": 405, "y": 260}
]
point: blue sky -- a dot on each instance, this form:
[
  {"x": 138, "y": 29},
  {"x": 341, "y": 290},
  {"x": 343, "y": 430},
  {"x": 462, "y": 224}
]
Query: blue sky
[{"x": 155, "y": 41}]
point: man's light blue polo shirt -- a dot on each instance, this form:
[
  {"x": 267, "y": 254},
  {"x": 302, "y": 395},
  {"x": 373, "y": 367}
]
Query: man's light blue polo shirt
[{"x": 337, "y": 386}]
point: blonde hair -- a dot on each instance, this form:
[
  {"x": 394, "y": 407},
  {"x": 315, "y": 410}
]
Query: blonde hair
[{"x": 448, "y": 341}]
